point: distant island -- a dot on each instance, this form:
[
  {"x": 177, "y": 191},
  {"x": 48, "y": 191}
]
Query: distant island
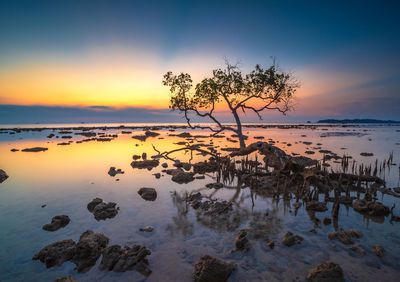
[{"x": 356, "y": 121}]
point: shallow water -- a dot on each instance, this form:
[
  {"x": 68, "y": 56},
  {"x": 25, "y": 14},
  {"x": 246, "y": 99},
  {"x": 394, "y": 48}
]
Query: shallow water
[{"x": 66, "y": 178}]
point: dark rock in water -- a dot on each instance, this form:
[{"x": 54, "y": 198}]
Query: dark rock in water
[
  {"x": 145, "y": 164},
  {"x": 14, "y": 150},
  {"x": 326, "y": 272},
  {"x": 35, "y": 149},
  {"x": 93, "y": 204},
  {"x": 366, "y": 154},
  {"x": 65, "y": 279},
  {"x": 346, "y": 237},
  {"x": 136, "y": 157},
  {"x": 50, "y": 135},
  {"x": 57, "y": 222},
  {"x": 148, "y": 194},
  {"x": 211, "y": 269},
  {"x": 105, "y": 210},
  {"x": 241, "y": 241},
  {"x": 164, "y": 165},
  {"x": 146, "y": 229},
  {"x": 113, "y": 171},
  {"x": 183, "y": 177},
  {"x": 120, "y": 259},
  {"x": 183, "y": 135},
  {"x": 379, "y": 250},
  {"x": 3, "y": 176},
  {"x": 89, "y": 249},
  {"x": 290, "y": 239},
  {"x": 371, "y": 208},
  {"x": 101, "y": 210},
  {"x": 157, "y": 175},
  {"x": 151, "y": 133},
  {"x": 56, "y": 253},
  {"x": 309, "y": 152},
  {"x": 216, "y": 185},
  {"x": 204, "y": 167},
  {"x": 316, "y": 206},
  {"x": 327, "y": 221},
  {"x": 358, "y": 249},
  {"x": 200, "y": 177},
  {"x": 140, "y": 137}
]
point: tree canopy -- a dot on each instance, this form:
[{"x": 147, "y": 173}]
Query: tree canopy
[{"x": 261, "y": 89}]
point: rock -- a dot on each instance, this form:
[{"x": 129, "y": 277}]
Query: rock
[
  {"x": 148, "y": 194},
  {"x": 316, "y": 206},
  {"x": 309, "y": 152},
  {"x": 120, "y": 259},
  {"x": 56, "y": 253},
  {"x": 211, "y": 269},
  {"x": 216, "y": 185},
  {"x": 241, "y": 241},
  {"x": 364, "y": 154},
  {"x": 290, "y": 239},
  {"x": 3, "y": 176},
  {"x": 200, "y": 177},
  {"x": 379, "y": 250},
  {"x": 186, "y": 166},
  {"x": 89, "y": 249},
  {"x": 346, "y": 237},
  {"x": 183, "y": 177},
  {"x": 204, "y": 167},
  {"x": 14, "y": 150},
  {"x": 157, "y": 175},
  {"x": 35, "y": 149},
  {"x": 326, "y": 272},
  {"x": 327, "y": 221},
  {"x": 113, "y": 171},
  {"x": 151, "y": 133},
  {"x": 147, "y": 229},
  {"x": 358, "y": 249},
  {"x": 136, "y": 157},
  {"x": 145, "y": 164},
  {"x": 57, "y": 222},
  {"x": 164, "y": 165},
  {"x": 93, "y": 204},
  {"x": 370, "y": 208},
  {"x": 65, "y": 279},
  {"x": 103, "y": 211}
]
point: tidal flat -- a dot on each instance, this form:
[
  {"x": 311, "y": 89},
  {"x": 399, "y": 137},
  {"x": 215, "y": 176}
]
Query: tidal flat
[{"x": 335, "y": 188}]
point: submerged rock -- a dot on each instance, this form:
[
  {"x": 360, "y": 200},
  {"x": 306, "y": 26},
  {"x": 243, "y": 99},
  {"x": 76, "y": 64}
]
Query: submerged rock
[
  {"x": 358, "y": 249},
  {"x": 346, "y": 237},
  {"x": 316, "y": 206},
  {"x": 35, "y": 149},
  {"x": 371, "y": 208},
  {"x": 379, "y": 250},
  {"x": 120, "y": 259},
  {"x": 56, "y": 253},
  {"x": 101, "y": 210},
  {"x": 326, "y": 272},
  {"x": 113, "y": 171},
  {"x": 211, "y": 269},
  {"x": 3, "y": 176},
  {"x": 146, "y": 229},
  {"x": 57, "y": 222},
  {"x": 290, "y": 239},
  {"x": 89, "y": 249},
  {"x": 145, "y": 164},
  {"x": 65, "y": 279},
  {"x": 241, "y": 241},
  {"x": 216, "y": 185},
  {"x": 148, "y": 194}
]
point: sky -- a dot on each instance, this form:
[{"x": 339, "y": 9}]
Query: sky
[{"x": 88, "y": 61}]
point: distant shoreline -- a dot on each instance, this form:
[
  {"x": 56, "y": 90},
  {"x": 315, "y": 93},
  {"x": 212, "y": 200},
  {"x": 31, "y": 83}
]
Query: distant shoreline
[{"x": 358, "y": 121}]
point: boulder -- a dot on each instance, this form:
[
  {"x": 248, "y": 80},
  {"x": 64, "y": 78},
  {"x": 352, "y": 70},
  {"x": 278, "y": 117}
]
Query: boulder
[
  {"x": 93, "y": 204},
  {"x": 3, "y": 176},
  {"x": 102, "y": 210},
  {"x": 211, "y": 269},
  {"x": 379, "y": 250},
  {"x": 183, "y": 177},
  {"x": 326, "y": 272},
  {"x": 57, "y": 222},
  {"x": 148, "y": 194},
  {"x": 113, "y": 171},
  {"x": 290, "y": 239},
  {"x": 145, "y": 164},
  {"x": 241, "y": 241},
  {"x": 370, "y": 208},
  {"x": 346, "y": 237},
  {"x": 56, "y": 253}
]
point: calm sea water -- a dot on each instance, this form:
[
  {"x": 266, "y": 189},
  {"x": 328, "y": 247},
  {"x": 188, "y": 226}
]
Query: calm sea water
[{"x": 66, "y": 178}]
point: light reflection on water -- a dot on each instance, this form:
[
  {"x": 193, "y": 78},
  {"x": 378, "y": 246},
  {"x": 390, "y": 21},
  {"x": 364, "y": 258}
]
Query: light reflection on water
[{"x": 66, "y": 178}]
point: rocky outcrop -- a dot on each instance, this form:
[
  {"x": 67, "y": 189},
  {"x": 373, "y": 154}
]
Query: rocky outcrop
[
  {"x": 3, "y": 176},
  {"x": 56, "y": 253},
  {"x": 57, "y": 222},
  {"x": 183, "y": 177},
  {"x": 346, "y": 237},
  {"x": 89, "y": 249},
  {"x": 145, "y": 164},
  {"x": 148, "y": 194},
  {"x": 326, "y": 272},
  {"x": 113, "y": 171},
  {"x": 211, "y": 269},
  {"x": 371, "y": 208},
  {"x": 101, "y": 210},
  {"x": 290, "y": 239},
  {"x": 120, "y": 259}
]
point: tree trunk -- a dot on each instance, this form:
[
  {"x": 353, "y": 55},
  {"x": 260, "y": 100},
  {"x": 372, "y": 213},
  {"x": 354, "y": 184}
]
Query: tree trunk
[{"x": 239, "y": 130}]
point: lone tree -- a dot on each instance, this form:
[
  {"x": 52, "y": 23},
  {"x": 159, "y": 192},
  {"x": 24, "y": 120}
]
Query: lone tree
[{"x": 261, "y": 89}]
